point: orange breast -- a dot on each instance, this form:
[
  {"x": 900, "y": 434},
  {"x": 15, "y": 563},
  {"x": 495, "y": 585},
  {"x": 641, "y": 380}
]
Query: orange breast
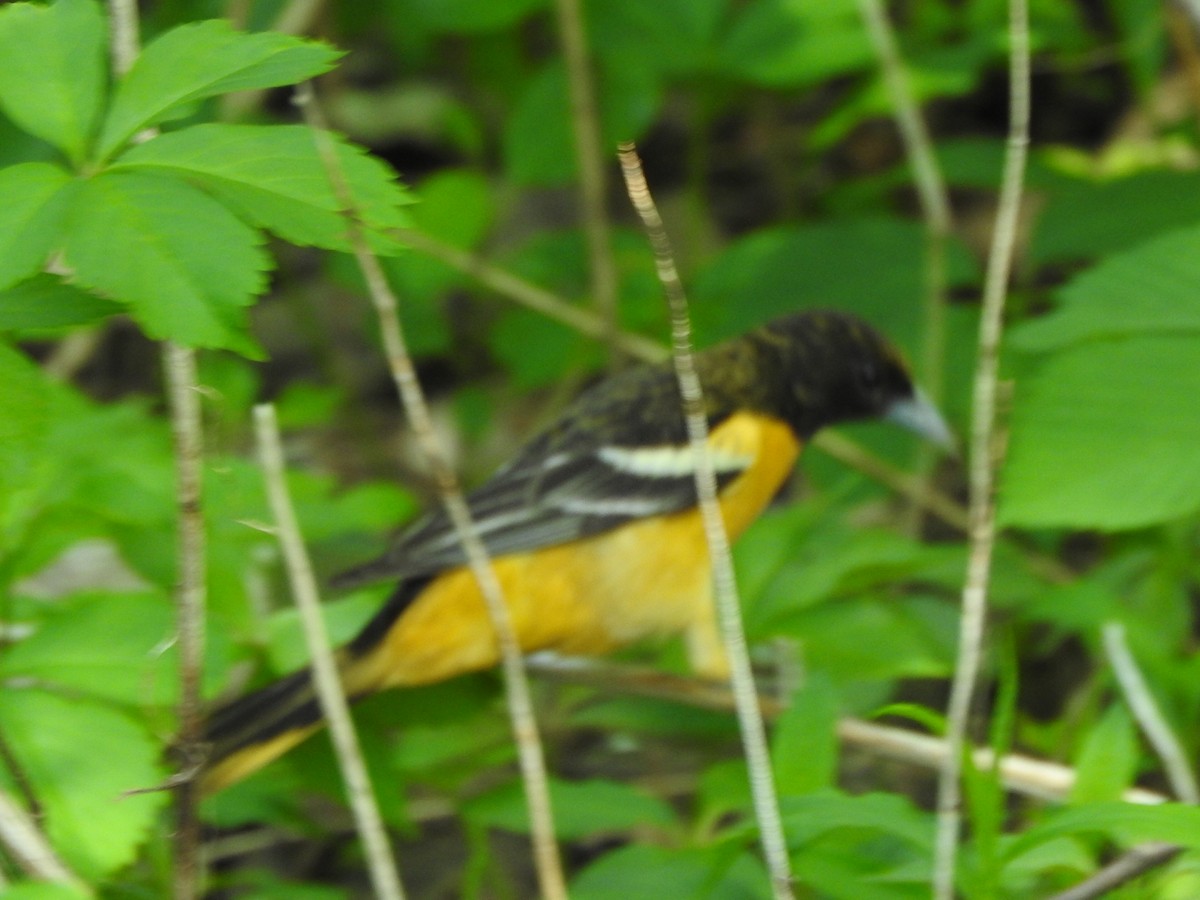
[{"x": 644, "y": 579}]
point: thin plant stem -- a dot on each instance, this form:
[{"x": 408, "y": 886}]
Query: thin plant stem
[
  {"x": 1122, "y": 870},
  {"x": 28, "y": 847},
  {"x": 935, "y": 208},
  {"x": 984, "y": 446},
  {"x": 1148, "y": 714},
  {"x": 585, "y": 123},
  {"x": 520, "y": 704},
  {"x": 754, "y": 736},
  {"x": 384, "y": 877},
  {"x": 179, "y": 366}
]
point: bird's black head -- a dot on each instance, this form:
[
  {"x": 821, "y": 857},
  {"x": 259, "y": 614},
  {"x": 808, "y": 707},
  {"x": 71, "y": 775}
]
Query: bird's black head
[{"x": 837, "y": 368}]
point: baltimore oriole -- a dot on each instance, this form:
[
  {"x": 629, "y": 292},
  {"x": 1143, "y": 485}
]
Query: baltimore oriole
[{"x": 593, "y": 528}]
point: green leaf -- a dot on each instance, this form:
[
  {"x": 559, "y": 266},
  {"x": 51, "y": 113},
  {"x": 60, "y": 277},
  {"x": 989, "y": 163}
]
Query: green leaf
[
  {"x": 812, "y": 816},
  {"x": 1150, "y": 289},
  {"x": 785, "y": 43},
  {"x": 275, "y": 178},
  {"x": 128, "y": 666},
  {"x": 47, "y": 303},
  {"x": 468, "y": 16},
  {"x": 581, "y": 808},
  {"x": 79, "y": 759},
  {"x": 186, "y": 265},
  {"x": 25, "y": 417},
  {"x": 642, "y": 870},
  {"x": 192, "y": 62},
  {"x": 539, "y": 147},
  {"x": 1126, "y": 823},
  {"x": 804, "y": 746},
  {"x": 1085, "y": 219},
  {"x": 53, "y": 77},
  {"x": 1104, "y": 435},
  {"x": 31, "y": 217},
  {"x": 1107, "y": 763}
]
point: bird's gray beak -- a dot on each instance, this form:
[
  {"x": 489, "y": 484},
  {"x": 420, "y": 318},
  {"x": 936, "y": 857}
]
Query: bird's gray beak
[{"x": 921, "y": 417}]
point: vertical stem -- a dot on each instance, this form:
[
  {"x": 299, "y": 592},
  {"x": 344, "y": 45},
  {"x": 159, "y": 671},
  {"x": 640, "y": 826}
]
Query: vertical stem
[
  {"x": 191, "y": 598},
  {"x": 983, "y": 451},
  {"x": 585, "y": 123},
  {"x": 384, "y": 877},
  {"x": 179, "y": 366},
  {"x": 935, "y": 208},
  {"x": 754, "y": 736},
  {"x": 520, "y": 704}
]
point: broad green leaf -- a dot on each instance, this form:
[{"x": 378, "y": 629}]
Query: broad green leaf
[
  {"x": 53, "y": 74},
  {"x": 466, "y": 16},
  {"x": 539, "y": 147},
  {"x": 1149, "y": 289},
  {"x": 804, "y": 746},
  {"x": 128, "y": 666},
  {"x": 42, "y": 890},
  {"x": 1107, "y": 763},
  {"x": 812, "y": 816},
  {"x": 25, "y": 419},
  {"x": 200, "y": 60},
  {"x": 186, "y": 265},
  {"x": 581, "y": 808},
  {"x": 1104, "y": 435},
  {"x": 644, "y": 870},
  {"x": 46, "y": 303},
  {"x": 786, "y": 43},
  {"x": 671, "y": 36},
  {"x": 1086, "y": 219},
  {"x": 780, "y": 270},
  {"x": 80, "y": 759},
  {"x": 274, "y": 176},
  {"x": 31, "y": 216}
]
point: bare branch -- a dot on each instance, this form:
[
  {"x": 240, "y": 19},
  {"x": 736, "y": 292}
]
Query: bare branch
[
  {"x": 384, "y": 877},
  {"x": 983, "y": 461},
  {"x": 754, "y": 737},
  {"x": 585, "y": 122},
  {"x": 520, "y": 705}
]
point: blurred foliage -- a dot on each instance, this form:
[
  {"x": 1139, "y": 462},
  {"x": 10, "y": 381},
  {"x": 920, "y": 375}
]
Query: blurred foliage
[{"x": 766, "y": 132}]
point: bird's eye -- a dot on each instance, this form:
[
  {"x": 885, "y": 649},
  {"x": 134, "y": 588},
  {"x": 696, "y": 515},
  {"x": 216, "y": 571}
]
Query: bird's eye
[{"x": 868, "y": 378}]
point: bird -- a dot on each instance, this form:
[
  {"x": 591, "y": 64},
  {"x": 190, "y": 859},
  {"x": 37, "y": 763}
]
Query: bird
[{"x": 593, "y": 528}]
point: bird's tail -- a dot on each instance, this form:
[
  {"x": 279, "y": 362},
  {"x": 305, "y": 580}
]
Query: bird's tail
[{"x": 248, "y": 733}]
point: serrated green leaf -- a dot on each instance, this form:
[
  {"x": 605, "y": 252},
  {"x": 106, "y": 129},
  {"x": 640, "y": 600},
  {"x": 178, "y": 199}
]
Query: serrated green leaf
[
  {"x": 47, "y": 303},
  {"x": 31, "y": 217},
  {"x": 80, "y": 759},
  {"x": 203, "y": 59},
  {"x": 53, "y": 76},
  {"x": 1148, "y": 289},
  {"x": 1107, "y": 762},
  {"x": 127, "y": 666},
  {"x": 25, "y": 417},
  {"x": 186, "y": 265},
  {"x": 804, "y": 746},
  {"x": 274, "y": 176},
  {"x": 1104, "y": 435}
]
